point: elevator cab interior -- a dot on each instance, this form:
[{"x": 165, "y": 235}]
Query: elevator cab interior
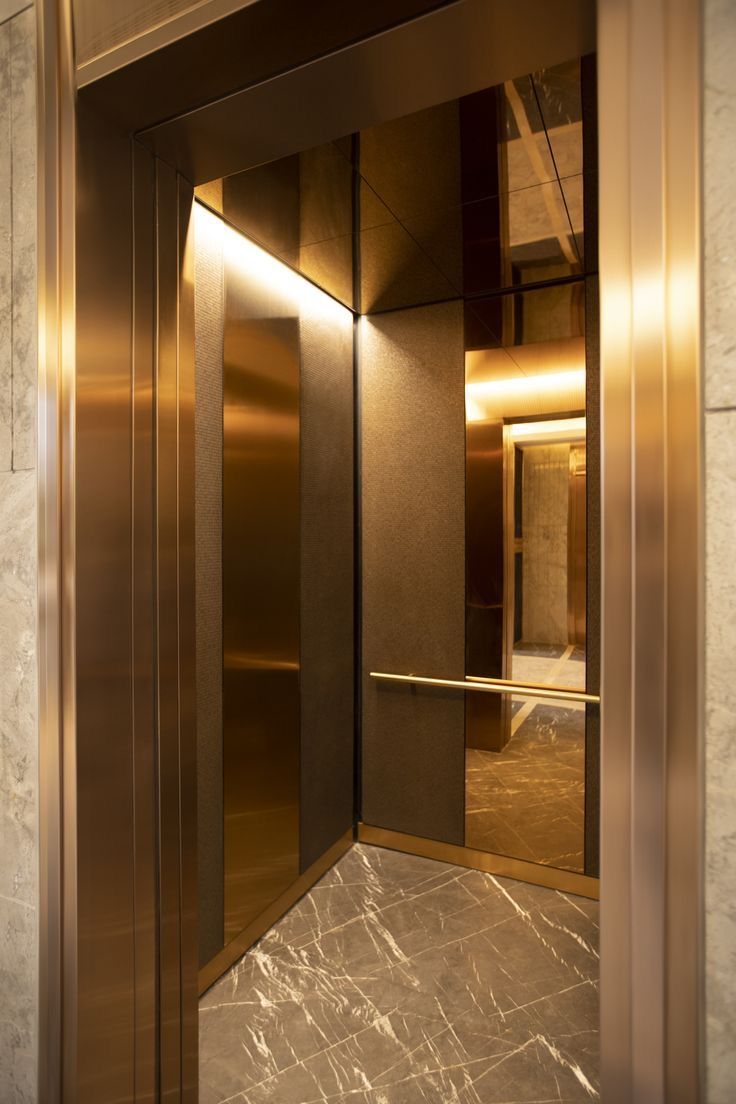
[{"x": 397, "y": 535}]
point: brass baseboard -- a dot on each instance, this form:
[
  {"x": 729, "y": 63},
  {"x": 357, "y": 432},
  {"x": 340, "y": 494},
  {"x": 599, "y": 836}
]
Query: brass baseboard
[
  {"x": 548, "y": 876},
  {"x": 237, "y": 947}
]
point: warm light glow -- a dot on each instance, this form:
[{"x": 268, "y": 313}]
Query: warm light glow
[
  {"x": 556, "y": 429},
  {"x": 500, "y": 397},
  {"x": 270, "y": 274}
]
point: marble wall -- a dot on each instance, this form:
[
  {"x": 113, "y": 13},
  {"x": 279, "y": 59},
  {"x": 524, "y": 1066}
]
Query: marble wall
[
  {"x": 18, "y": 726},
  {"x": 720, "y": 467},
  {"x": 546, "y": 483}
]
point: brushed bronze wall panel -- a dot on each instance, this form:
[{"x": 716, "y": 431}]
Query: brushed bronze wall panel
[
  {"x": 413, "y": 529},
  {"x": 187, "y": 632},
  {"x": 144, "y": 687},
  {"x": 327, "y": 703},
  {"x": 167, "y": 580},
  {"x": 260, "y": 594},
  {"x": 105, "y": 883}
]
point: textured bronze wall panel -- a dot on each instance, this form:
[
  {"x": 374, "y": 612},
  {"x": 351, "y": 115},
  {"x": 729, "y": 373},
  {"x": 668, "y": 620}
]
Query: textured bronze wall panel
[
  {"x": 208, "y": 337},
  {"x": 326, "y": 680},
  {"x": 413, "y": 528}
]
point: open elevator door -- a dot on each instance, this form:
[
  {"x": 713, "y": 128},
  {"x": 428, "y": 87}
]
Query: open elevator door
[{"x": 143, "y": 385}]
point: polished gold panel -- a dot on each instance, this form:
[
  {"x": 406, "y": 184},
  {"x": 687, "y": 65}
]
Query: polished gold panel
[
  {"x": 257, "y": 927},
  {"x": 261, "y": 535},
  {"x": 567, "y": 881}
]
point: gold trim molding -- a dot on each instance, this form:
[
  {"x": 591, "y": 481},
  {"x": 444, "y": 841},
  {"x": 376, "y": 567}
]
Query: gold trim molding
[{"x": 566, "y": 881}]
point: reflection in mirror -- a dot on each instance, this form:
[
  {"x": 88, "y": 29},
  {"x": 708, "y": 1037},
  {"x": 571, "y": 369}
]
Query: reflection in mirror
[
  {"x": 526, "y": 558},
  {"x": 528, "y": 800},
  {"x": 528, "y": 193}
]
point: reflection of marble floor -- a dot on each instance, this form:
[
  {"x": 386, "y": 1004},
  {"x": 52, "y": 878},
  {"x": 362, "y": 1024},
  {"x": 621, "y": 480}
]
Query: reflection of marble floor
[
  {"x": 528, "y": 800},
  {"x": 399, "y": 980}
]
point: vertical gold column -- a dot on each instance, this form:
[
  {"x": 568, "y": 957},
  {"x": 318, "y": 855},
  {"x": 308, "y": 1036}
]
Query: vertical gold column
[
  {"x": 649, "y": 87},
  {"x": 56, "y": 675}
]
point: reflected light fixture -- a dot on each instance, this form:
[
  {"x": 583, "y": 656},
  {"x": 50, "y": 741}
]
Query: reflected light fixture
[
  {"x": 517, "y": 395},
  {"x": 272, "y": 275},
  {"x": 556, "y": 429}
]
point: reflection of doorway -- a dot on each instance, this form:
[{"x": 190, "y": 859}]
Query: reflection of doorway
[
  {"x": 525, "y": 796},
  {"x": 545, "y": 537}
]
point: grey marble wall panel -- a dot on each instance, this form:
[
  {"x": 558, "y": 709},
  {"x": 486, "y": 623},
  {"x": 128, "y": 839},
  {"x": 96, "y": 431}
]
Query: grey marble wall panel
[
  {"x": 413, "y": 539},
  {"x": 720, "y": 477},
  {"x": 720, "y": 925},
  {"x": 23, "y": 153},
  {"x": 9, "y": 8},
  {"x": 546, "y": 481},
  {"x": 6, "y": 257},
  {"x": 18, "y": 772},
  {"x": 18, "y": 690},
  {"x": 720, "y": 209}
]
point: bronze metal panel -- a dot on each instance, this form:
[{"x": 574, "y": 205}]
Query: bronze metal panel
[
  {"x": 105, "y": 888},
  {"x": 140, "y": 90},
  {"x": 261, "y": 540},
  {"x": 144, "y": 687},
  {"x": 409, "y": 66},
  {"x": 56, "y": 199},
  {"x": 167, "y": 580},
  {"x": 649, "y": 95},
  {"x": 685, "y": 907},
  {"x": 187, "y": 666},
  {"x": 174, "y": 482},
  {"x": 486, "y": 716}
]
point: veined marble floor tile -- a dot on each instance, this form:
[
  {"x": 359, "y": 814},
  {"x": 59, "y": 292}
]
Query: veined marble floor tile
[{"x": 400, "y": 980}]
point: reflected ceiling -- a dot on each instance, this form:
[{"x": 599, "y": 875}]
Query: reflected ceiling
[{"x": 481, "y": 194}]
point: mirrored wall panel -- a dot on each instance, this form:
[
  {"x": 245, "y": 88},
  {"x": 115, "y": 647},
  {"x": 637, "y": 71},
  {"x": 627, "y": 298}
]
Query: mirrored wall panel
[{"x": 529, "y": 551}]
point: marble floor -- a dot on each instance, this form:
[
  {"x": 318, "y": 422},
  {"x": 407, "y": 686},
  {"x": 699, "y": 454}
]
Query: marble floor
[
  {"x": 528, "y": 801},
  {"x": 400, "y": 980}
]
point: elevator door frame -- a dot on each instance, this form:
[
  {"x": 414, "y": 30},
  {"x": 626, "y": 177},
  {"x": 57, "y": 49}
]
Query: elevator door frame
[{"x": 649, "y": 132}]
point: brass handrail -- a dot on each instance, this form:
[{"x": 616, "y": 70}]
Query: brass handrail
[{"x": 493, "y": 686}]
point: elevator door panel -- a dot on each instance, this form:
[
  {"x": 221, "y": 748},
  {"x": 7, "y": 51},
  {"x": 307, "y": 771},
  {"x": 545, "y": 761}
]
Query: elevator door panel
[{"x": 260, "y": 594}]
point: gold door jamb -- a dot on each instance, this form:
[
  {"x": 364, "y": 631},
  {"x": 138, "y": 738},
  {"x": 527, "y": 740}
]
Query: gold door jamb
[
  {"x": 649, "y": 90},
  {"x": 650, "y": 161}
]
